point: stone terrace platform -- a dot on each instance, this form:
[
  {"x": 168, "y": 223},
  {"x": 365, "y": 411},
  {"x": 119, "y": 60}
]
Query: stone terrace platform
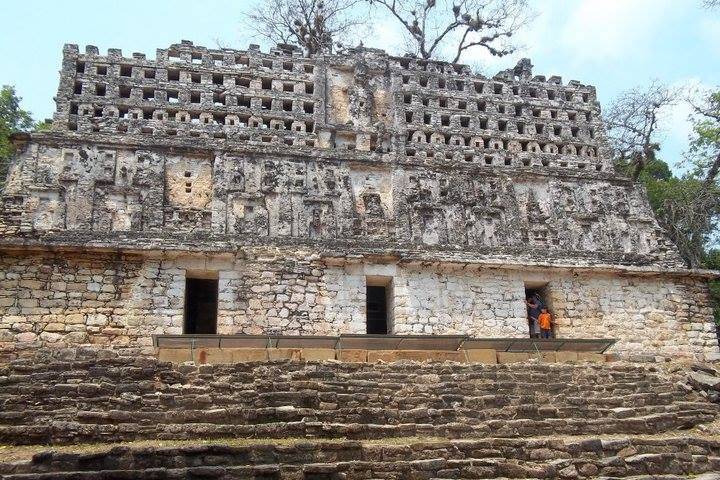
[
  {"x": 296, "y": 420},
  {"x": 220, "y": 349}
]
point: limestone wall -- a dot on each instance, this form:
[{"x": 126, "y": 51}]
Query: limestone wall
[
  {"x": 96, "y": 191},
  {"x": 393, "y": 152},
  {"x": 296, "y": 181},
  {"x": 119, "y": 301}
]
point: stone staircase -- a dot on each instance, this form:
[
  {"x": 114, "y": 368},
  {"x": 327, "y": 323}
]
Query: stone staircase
[
  {"x": 489, "y": 458},
  {"x": 530, "y": 420}
]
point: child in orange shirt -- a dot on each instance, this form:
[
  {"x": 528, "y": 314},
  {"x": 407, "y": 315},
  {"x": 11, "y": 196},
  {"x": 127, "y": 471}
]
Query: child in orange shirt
[{"x": 545, "y": 323}]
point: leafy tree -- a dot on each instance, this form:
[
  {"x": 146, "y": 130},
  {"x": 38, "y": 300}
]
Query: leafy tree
[
  {"x": 688, "y": 207},
  {"x": 705, "y": 143},
  {"x": 654, "y": 170},
  {"x": 712, "y": 261},
  {"x": 440, "y": 28},
  {"x": 689, "y": 210},
  {"x": 12, "y": 119}
]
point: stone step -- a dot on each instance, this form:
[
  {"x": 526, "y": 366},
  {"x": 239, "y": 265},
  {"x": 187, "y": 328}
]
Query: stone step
[
  {"x": 379, "y": 373},
  {"x": 329, "y": 414},
  {"x": 57, "y": 395},
  {"x": 491, "y": 458},
  {"x": 131, "y": 398},
  {"x": 97, "y": 388},
  {"x": 59, "y": 431},
  {"x": 350, "y": 383}
]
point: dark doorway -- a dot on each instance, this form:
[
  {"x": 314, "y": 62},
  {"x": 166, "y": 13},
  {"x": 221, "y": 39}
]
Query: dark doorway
[
  {"x": 538, "y": 296},
  {"x": 201, "y": 302},
  {"x": 377, "y": 312}
]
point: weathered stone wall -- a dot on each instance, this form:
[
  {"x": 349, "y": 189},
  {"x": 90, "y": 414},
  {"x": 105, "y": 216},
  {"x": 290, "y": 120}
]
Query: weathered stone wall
[
  {"x": 296, "y": 181},
  {"x": 91, "y": 189},
  {"x": 241, "y": 144},
  {"x": 119, "y": 301}
]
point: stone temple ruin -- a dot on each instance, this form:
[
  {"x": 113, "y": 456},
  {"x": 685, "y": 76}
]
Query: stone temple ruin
[
  {"x": 242, "y": 192},
  {"x": 236, "y": 196}
]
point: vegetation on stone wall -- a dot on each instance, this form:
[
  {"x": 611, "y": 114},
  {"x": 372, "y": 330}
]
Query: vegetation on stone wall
[
  {"x": 12, "y": 119},
  {"x": 687, "y": 206}
]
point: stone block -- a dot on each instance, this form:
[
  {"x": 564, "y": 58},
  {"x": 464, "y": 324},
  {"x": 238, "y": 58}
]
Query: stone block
[
  {"x": 564, "y": 357},
  {"x": 283, "y": 354},
  {"x": 200, "y": 355},
  {"x": 481, "y": 355},
  {"x": 709, "y": 357},
  {"x": 513, "y": 357},
  {"x": 591, "y": 357},
  {"x": 217, "y": 356},
  {"x": 249, "y": 354},
  {"x": 352, "y": 355},
  {"x": 174, "y": 355},
  {"x": 614, "y": 357},
  {"x": 416, "y": 355},
  {"x": 547, "y": 357},
  {"x": 309, "y": 354},
  {"x": 375, "y": 356}
]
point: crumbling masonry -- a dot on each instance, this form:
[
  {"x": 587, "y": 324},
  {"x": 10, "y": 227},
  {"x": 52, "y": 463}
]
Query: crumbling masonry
[{"x": 294, "y": 183}]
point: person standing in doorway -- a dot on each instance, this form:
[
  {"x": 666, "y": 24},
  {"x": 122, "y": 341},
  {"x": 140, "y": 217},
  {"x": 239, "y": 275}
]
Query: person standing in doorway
[
  {"x": 545, "y": 323},
  {"x": 533, "y": 310}
]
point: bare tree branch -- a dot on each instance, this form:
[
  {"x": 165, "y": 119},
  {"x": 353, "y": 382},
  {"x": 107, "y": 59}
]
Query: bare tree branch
[
  {"x": 632, "y": 124},
  {"x": 316, "y": 26},
  {"x": 448, "y": 29}
]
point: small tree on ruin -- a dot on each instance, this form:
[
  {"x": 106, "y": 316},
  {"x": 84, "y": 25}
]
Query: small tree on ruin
[
  {"x": 688, "y": 207},
  {"x": 12, "y": 119},
  {"x": 705, "y": 143},
  {"x": 632, "y": 123},
  {"x": 316, "y": 26},
  {"x": 445, "y": 29}
]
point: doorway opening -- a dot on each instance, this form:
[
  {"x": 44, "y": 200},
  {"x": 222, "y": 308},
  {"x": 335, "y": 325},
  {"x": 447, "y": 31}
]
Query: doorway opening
[
  {"x": 536, "y": 298},
  {"x": 378, "y": 305},
  {"x": 201, "y": 305}
]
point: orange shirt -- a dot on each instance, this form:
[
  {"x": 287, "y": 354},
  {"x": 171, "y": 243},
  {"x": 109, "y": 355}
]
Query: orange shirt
[{"x": 545, "y": 321}]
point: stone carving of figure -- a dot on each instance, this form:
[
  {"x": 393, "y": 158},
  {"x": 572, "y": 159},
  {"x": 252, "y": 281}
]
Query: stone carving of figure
[
  {"x": 373, "y": 205},
  {"x": 315, "y": 228}
]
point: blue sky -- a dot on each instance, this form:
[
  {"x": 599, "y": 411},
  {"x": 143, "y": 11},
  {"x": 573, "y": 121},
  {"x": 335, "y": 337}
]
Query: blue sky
[{"x": 612, "y": 44}]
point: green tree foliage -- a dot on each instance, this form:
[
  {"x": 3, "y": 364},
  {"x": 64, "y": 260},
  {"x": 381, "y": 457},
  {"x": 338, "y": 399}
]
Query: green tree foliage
[
  {"x": 712, "y": 261},
  {"x": 705, "y": 143},
  {"x": 12, "y": 119},
  {"x": 688, "y": 207}
]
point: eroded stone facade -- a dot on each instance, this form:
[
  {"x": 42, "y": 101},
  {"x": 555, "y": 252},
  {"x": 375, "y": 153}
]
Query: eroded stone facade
[{"x": 299, "y": 180}]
